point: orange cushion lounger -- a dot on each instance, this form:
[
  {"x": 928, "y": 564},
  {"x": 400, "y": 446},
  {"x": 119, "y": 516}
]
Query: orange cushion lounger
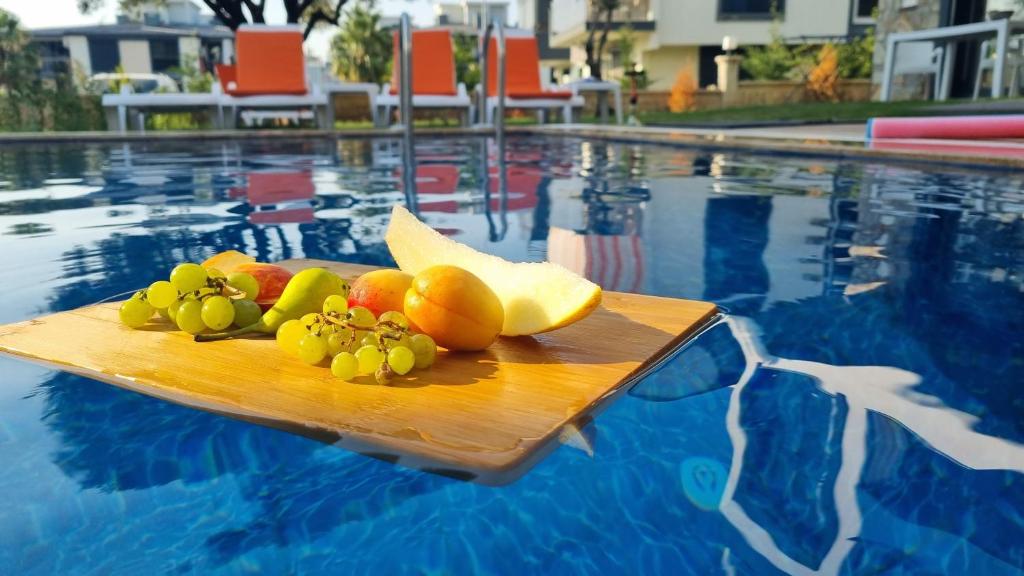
[
  {"x": 523, "y": 87},
  {"x": 434, "y": 84},
  {"x": 270, "y": 60},
  {"x": 522, "y": 71},
  {"x": 433, "y": 63}
]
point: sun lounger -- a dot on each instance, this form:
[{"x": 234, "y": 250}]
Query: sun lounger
[
  {"x": 433, "y": 76},
  {"x": 523, "y": 86},
  {"x": 270, "y": 74},
  {"x": 127, "y": 108}
]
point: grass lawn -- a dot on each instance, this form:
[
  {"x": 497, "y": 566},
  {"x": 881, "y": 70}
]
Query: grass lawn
[{"x": 804, "y": 112}]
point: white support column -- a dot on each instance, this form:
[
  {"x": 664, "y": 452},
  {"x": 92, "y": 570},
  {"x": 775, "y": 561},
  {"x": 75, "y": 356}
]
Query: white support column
[
  {"x": 999, "y": 70},
  {"x": 189, "y": 49},
  {"x": 78, "y": 50},
  {"x": 134, "y": 55},
  {"x": 890, "y": 60}
]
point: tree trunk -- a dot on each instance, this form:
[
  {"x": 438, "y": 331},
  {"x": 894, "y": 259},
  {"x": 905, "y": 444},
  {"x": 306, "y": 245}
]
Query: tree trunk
[{"x": 601, "y": 44}]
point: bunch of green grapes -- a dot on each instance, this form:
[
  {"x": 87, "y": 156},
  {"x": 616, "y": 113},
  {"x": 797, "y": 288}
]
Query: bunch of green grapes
[
  {"x": 356, "y": 342},
  {"x": 196, "y": 299}
]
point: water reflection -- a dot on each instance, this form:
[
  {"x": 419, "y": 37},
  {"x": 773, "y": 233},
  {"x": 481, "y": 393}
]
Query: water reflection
[{"x": 855, "y": 413}]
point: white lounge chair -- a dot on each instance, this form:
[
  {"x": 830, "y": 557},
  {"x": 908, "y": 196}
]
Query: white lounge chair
[{"x": 119, "y": 107}]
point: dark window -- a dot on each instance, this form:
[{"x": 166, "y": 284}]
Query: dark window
[
  {"x": 54, "y": 58},
  {"x": 865, "y": 8},
  {"x": 164, "y": 54},
  {"x": 103, "y": 55},
  {"x": 750, "y": 9}
]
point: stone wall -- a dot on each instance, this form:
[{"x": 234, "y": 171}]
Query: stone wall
[{"x": 751, "y": 93}]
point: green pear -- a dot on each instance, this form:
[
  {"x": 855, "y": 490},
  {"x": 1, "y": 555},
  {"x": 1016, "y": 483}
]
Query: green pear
[{"x": 304, "y": 294}]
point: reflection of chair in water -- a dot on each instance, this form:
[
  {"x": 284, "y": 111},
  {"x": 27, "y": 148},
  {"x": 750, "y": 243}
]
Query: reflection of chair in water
[
  {"x": 613, "y": 262},
  {"x": 279, "y": 197}
]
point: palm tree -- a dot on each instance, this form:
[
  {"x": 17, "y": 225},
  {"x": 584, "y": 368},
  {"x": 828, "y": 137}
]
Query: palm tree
[{"x": 361, "y": 50}]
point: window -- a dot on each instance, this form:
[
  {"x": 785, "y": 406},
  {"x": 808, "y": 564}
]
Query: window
[
  {"x": 103, "y": 55},
  {"x": 163, "y": 54},
  {"x": 750, "y": 9},
  {"x": 865, "y": 9}
]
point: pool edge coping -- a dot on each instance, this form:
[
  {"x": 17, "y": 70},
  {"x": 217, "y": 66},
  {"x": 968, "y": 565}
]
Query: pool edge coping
[{"x": 841, "y": 146}]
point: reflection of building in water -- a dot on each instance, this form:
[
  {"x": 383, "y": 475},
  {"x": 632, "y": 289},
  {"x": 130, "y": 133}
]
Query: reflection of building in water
[{"x": 597, "y": 220}]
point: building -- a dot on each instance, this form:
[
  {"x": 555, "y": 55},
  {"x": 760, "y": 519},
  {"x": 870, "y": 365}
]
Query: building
[
  {"x": 671, "y": 36},
  {"x": 150, "y": 39},
  {"x": 468, "y": 17},
  {"x": 535, "y": 15},
  {"x": 908, "y": 15}
]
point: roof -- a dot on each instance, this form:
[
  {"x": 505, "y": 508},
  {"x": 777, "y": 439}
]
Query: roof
[{"x": 133, "y": 30}]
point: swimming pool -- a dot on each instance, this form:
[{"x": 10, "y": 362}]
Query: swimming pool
[{"x": 858, "y": 411}]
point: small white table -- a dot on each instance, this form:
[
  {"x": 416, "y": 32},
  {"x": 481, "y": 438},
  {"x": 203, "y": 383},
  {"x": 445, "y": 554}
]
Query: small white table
[
  {"x": 371, "y": 91},
  {"x": 601, "y": 86},
  {"x": 1001, "y": 29}
]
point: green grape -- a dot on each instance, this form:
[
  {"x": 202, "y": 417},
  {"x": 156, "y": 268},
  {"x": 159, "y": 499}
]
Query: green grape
[
  {"x": 246, "y": 283},
  {"x": 425, "y": 349},
  {"x": 247, "y": 312},
  {"x": 188, "y": 277},
  {"x": 335, "y": 304},
  {"x": 401, "y": 360},
  {"x": 369, "y": 359},
  {"x": 172, "y": 310},
  {"x": 310, "y": 319},
  {"x": 312, "y": 349},
  {"x": 361, "y": 316},
  {"x": 190, "y": 317},
  {"x": 335, "y": 345},
  {"x": 395, "y": 317},
  {"x": 369, "y": 340},
  {"x": 215, "y": 274},
  {"x": 359, "y": 335},
  {"x": 289, "y": 334},
  {"x": 164, "y": 314},
  {"x": 338, "y": 342},
  {"x": 405, "y": 340},
  {"x": 345, "y": 366},
  {"x": 218, "y": 313},
  {"x": 161, "y": 293},
  {"x": 135, "y": 312},
  {"x": 327, "y": 329}
]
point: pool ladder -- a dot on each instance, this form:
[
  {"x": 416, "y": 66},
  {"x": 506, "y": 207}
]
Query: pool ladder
[{"x": 405, "y": 80}]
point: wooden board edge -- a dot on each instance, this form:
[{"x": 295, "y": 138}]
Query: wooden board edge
[{"x": 513, "y": 470}]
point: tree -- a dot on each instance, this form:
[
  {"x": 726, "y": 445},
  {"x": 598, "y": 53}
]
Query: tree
[
  {"x": 234, "y": 13},
  {"x": 601, "y": 13},
  {"x": 361, "y": 50}
]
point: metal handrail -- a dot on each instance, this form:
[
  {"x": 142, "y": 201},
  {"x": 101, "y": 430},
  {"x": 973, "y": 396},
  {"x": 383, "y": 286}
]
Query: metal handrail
[
  {"x": 405, "y": 66},
  {"x": 482, "y": 86},
  {"x": 406, "y": 112},
  {"x": 499, "y": 119}
]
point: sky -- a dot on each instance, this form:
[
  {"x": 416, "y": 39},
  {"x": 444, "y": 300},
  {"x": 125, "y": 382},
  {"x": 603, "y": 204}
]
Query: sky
[{"x": 52, "y": 13}]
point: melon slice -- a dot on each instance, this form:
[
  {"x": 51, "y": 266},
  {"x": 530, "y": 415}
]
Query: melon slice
[{"x": 537, "y": 296}]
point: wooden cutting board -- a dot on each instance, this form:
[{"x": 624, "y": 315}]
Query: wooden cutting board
[{"x": 486, "y": 416}]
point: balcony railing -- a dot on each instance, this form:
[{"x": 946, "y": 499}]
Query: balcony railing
[{"x": 570, "y": 17}]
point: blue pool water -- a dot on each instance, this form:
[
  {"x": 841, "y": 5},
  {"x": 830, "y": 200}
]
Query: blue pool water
[{"x": 859, "y": 411}]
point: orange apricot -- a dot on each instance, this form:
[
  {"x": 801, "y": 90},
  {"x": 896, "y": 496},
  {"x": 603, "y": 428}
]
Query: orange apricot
[{"x": 455, "y": 308}]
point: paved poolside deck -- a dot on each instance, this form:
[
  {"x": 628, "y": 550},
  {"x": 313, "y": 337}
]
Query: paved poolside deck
[{"x": 844, "y": 140}]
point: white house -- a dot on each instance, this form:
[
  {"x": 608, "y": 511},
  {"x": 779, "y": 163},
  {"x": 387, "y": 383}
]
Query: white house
[
  {"x": 676, "y": 35},
  {"x": 150, "y": 39}
]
